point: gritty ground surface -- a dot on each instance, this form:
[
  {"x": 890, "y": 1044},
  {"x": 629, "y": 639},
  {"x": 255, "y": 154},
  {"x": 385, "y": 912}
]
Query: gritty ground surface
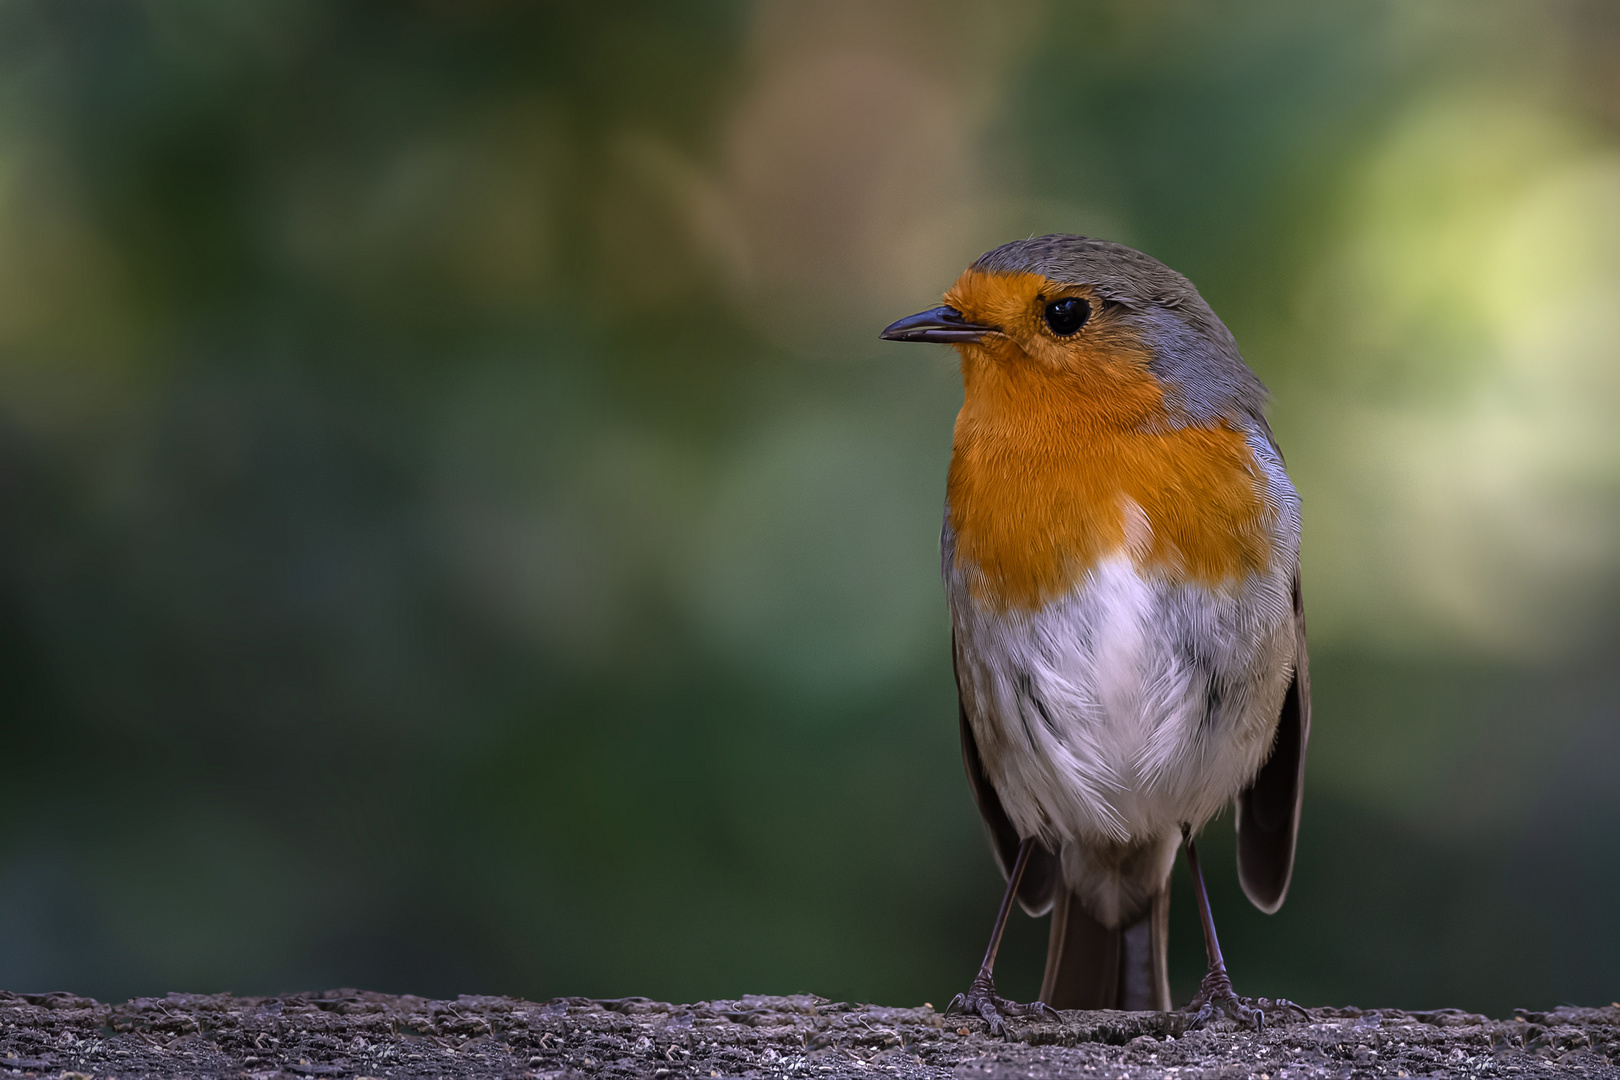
[{"x": 352, "y": 1034}]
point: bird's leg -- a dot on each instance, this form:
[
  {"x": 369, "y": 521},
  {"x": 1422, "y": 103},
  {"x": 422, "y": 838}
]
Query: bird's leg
[
  {"x": 1215, "y": 995},
  {"x": 981, "y": 997}
]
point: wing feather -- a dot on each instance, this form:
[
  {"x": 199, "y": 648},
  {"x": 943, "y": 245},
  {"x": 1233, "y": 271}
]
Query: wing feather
[
  {"x": 1036, "y": 891},
  {"x": 1268, "y": 809}
]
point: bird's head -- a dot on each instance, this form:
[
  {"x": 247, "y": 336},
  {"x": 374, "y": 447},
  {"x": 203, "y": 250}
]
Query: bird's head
[{"x": 1096, "y": 318}]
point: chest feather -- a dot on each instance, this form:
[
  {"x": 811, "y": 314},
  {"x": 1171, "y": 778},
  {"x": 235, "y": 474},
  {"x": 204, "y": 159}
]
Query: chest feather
[{"x": 1043, "y": 485}]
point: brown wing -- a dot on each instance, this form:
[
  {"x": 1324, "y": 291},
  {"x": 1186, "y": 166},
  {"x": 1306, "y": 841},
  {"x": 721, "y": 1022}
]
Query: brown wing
[
  {"x": 1036, "y": 891},
  {"x": 1268, "y": 809}
]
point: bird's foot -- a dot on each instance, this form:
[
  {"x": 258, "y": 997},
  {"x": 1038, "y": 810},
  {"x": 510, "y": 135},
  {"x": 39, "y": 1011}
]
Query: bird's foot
[
  {"x": 1216, "y": 997},
  {"x": 982, "y": 1000}
]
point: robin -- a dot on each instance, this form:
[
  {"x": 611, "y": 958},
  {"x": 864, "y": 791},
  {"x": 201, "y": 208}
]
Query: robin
[{"x": 1121, "y": 560}]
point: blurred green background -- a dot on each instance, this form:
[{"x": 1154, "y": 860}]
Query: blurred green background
[{"x": 460, "y": 533}]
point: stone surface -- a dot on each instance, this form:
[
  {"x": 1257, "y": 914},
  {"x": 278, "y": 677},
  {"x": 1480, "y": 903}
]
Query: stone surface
[{"x": 352, "y": 1034}]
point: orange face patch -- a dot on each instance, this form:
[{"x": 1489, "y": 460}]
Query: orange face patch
[{"x": 1059, "y": 461}]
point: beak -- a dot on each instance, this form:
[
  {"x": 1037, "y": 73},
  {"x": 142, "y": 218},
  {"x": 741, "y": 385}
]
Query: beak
[{"x": 941, "y": 324}]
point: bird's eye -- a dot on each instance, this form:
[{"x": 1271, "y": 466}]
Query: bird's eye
[{"x": 1067, "y": 315}]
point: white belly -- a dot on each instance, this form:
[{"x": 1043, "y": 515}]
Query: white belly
[{"x": 1128, "y": 708}]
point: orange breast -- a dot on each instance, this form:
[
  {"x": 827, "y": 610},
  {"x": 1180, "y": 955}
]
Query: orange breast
[{"x": 1052, "y": 472}]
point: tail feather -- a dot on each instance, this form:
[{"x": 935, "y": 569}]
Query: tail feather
[{"x": 1089, "y": 966}]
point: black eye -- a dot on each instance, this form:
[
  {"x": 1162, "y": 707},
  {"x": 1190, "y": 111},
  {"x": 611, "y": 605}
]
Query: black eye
[{"x": 1067, "y": 315}]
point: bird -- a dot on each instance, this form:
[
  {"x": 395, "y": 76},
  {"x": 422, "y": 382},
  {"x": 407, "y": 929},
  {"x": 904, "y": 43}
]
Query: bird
[{"x": 1120, "y": 553}]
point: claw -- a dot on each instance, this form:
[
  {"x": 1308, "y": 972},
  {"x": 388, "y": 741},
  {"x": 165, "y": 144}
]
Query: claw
[
  {"x": 1283, "y": 1003},
  {"x": 1216, "y": 998},
  {"x": 981, "y": 999}
]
